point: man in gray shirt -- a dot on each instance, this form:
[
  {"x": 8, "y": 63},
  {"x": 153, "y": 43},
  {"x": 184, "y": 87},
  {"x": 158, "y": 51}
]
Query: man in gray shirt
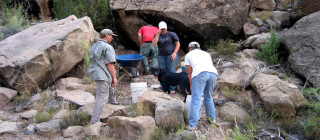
[{"x": 102, "y": 71}]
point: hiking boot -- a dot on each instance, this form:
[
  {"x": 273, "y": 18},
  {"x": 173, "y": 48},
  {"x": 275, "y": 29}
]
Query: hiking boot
[
  {"x": 214, "y": 122},
  {"x": 191, "y": 128}
]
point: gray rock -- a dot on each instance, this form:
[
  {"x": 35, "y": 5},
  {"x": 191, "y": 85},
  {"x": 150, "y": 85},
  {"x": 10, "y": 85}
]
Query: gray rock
[
  {"x": 278, "y": 96},
  {"x": 168, "y": 113},
  {"x": 265, "y": 4},
  {"x": 141, "y": 127},
  {"x": 9, "y": 128},
  {"x": 6, "y": 95},
  {"x": 231, "y": 111},
  {"x": 303, "y": 43},
  {"x": 48, "y": 51},
  {"x": 93, "y": 129},
  {"x": 29, "y": 114},
  {"x": 72, "y": 131},
  {"x": 30, "y": 129},
  {"x": 78, "y": 97},
  {"x": 48, "y": 128}
]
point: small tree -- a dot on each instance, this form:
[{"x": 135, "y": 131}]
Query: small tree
[
  {"x": 97, "y": 10},
  {"x": 269, "y": 50}
]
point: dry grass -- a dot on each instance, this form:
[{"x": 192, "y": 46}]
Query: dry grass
[{"x": 263, "y": 15}]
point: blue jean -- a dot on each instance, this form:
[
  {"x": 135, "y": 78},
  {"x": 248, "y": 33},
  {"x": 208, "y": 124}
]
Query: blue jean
[
  {"x": 165, "y": 62},
  {"x": 203, "y": 83}
]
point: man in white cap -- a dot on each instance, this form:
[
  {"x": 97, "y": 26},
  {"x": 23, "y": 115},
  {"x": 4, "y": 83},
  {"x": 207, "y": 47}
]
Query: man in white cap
[
  {"x": 168, "y": 46},
  {"x": 203, "y": 78},
  {"x": 102, "y": 71}
]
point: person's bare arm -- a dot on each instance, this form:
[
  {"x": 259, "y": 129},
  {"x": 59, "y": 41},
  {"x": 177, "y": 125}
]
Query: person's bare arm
[
  {"x": 110, "y": 67},
  {"x": 174, "y": 54},
  {"x": 155, "y": 39},
  {"x": 140, "y": 38},
  {"x": 189, "y": 70}
]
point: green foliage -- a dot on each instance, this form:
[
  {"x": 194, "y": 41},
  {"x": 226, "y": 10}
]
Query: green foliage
[
  {"x": 226, "y": 47},
  {"x": 237, "y": 135},
  {"x": 269, "y": 50},
  {"x": 43, "y": 117},
  {"x": 75, "y": 119},
  {"x": 12, "y": 19},
  {"x": 229, "y": 93},
  {"x": 97, "y": 10},
  {"x": 311, "y": 93},
  {"x": 86, "y": 77},
  {"x": 159, "y": 134},
  {"x": 312, "y": 127},
  {"x": 139, "y": 109}
]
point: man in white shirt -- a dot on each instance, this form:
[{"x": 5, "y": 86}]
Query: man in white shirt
[{"x": 203, "y": 78}]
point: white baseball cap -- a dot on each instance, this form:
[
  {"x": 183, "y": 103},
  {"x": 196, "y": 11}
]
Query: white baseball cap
[
  {"x": 194, "y": 44},
  {"x": 162, "y": 25}
]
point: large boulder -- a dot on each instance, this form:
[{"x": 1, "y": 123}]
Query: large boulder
[
  {"x": 108, "y": 111},
  {"x": 306, "y": 7},
  {"x": 166, "y": 110},
  {"x": 278, "y": 96},
  {"x": 6, "y": 95},
  {"x": 125, "y": 128},
  {"x": 192, "y": 20},
  {"x": 232, "y": 112},
  {"x": 303, "y": 43},
  {"x": 37, "y": 56}
]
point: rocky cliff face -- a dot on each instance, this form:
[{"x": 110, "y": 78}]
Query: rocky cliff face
[{"x": 191, "y": 20}]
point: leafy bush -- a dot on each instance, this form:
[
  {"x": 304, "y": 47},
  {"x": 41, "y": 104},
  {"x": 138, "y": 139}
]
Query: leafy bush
[
  {"x": 225, "y": 47},
  {"x": 312, "y": 125},
  {"x": 231, "y": 94},
  {"x": 139, "y": 109},
  {"x": 86, "y": 59},
  {"x": 75, "y": 119},
  {"x": 97, "y": 10},
  {"x": 269, "y": 50},
  {"x": 12, "y": 19}
]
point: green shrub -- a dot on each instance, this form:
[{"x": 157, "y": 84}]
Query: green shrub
[
  {"x": 311, "y": 93},
  {"x": 12, "y": 19},
  {"x": 312, "y": 127},
  {"x": 75, "y": 119},
  {"x": 97, "y": 10},
  {"x": 231, "y": 94},
  {"x": 225, "y": 47},
  {"x": 86, "y": 77},
  {"x": 237, "y": 135},
  {"x": 159, "y": 134},
  {"x": 43, "y": 117},
  {"x": 139, "y": 109},
  {"x": 269, "y": 50}
]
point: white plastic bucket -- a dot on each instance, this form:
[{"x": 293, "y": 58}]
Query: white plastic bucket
[
  {"x": 137, "y": 89},
  {"x": 188, "y": 106}
]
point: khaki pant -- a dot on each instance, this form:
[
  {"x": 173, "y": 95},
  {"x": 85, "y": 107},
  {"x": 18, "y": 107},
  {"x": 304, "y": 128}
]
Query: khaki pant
[{"x": 104, "y": 93}]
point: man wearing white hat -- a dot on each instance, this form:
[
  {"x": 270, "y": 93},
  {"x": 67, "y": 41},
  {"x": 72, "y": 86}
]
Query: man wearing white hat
[{"x": 203, "y": 78}]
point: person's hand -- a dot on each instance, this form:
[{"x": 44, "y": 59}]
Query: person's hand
[
  {"x": 114, "y": 82},
  {"x": 158, "y": 32},
  {"x": 173, "y": 56}
]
